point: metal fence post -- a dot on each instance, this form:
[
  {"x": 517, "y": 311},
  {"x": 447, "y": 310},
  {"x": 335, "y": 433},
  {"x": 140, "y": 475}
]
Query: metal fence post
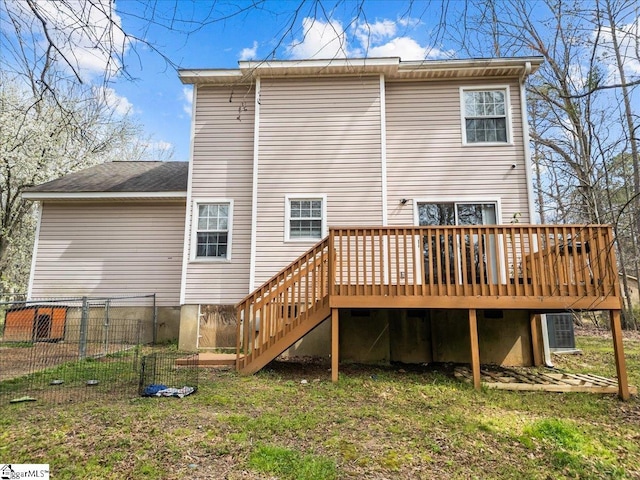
[
  {"x": 84, "y": 326},
  {"x": 107, "y": 304},
  {"x": 155, "y": 320}
]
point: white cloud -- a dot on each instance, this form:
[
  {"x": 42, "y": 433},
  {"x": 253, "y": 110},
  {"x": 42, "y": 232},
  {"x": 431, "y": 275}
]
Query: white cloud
[
  {"x": 87, "y": 33},
  {"x": 403, "y": 47},
  {"x": 329, "y": 40},
  {"x": 626, "y": 35},
  {"x": 249, "y": 53},
  {"x": 372, "y": 33},
  {"x": 320, "y": 40},
  {"x": 119, "y": 104},
  {"x": 160, "y": 145},
  {"x": 576, "y": 76},
  {"x": 187, "y": 98},
  {"x": 409, "y": 22}
]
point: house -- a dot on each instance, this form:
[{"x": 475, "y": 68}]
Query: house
[
  {"x": 634, "y": 292},
  {"x": 369, "y": 209}
]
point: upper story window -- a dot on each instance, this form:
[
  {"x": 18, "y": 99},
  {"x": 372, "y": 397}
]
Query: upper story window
[
  {"x": 212, "y": 236},
  {"x": 486, "y": 118},
  {"x": 305, "y": 218}
]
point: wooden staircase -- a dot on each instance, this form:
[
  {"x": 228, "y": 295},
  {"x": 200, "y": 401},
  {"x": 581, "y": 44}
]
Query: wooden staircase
[{"x": 284, "y": 309}]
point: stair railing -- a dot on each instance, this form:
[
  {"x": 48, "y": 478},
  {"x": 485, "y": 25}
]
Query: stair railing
[{"x": 282, "y": 303}]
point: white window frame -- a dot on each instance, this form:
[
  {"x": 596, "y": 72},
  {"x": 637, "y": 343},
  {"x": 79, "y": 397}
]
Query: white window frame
[
  {"x": 194, "y": 229},
  {"x": 457, "y": 199},
  {"x": 507, "y": 106},
  {"x": 287, "y": 217}
]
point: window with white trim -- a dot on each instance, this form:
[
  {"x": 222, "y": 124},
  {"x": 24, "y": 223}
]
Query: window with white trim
[
  {"x": 456, "y": 213},
  {"x": 444, "y": 253},
  {"x": 305, "y": 218},
  {"x": 212, "y": 235},
  {"x": 486, "y": 116}
]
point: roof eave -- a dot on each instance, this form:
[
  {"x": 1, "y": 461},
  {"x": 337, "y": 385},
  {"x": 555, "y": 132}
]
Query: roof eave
[
  {"x": 474, "y": 64},
  {"x": 193, "y": 76},
  {"x": 391, "y": 67},
  {"x": 40, "y": 196}
]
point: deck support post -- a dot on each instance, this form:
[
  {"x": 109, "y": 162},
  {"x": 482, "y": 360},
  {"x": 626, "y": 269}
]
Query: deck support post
[
  {"x": 536, "y": 339},
  {"x": 621, "y": 367},
  {"x": 475, "y": 353},
  {"x": 335, "y": 344}
]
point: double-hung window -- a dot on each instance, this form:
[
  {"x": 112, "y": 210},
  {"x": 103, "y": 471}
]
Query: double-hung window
[
  {"x": 305, "y": 218},
  {"x": 213, "y": 230},
  {"x": 485, "y": 113}
]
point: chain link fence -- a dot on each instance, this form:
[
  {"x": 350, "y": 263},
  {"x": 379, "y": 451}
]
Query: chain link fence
[{"x": 71, "y": 349}]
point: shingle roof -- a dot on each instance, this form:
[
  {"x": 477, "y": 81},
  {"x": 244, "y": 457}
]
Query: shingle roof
[{"x": 144, "y": 177}]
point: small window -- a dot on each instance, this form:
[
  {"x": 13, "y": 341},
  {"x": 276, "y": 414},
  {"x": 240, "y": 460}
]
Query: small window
[
  {"x": 485, "y": 116},
  {"x": 305, "y": 218},
  {"x": 212, "y": 236}
]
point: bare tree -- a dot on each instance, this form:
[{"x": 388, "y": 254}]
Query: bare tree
[
  {"x": 610, "y": 14},
  {"x": 582, "y": 118}
]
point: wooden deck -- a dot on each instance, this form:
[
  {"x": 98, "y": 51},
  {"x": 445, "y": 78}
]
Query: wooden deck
[
  {"x": 528, "y": 267},
  {"x": 538, "y": 268}
]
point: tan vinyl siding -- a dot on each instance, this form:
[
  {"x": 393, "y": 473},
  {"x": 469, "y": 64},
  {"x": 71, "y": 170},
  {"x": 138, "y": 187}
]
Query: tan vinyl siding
[
  {"x": 110, "y": 249},
  {"x": 317, "y": 136},
  {"x": 222, "y": 168},
  {"x": 426, "y": 156}
]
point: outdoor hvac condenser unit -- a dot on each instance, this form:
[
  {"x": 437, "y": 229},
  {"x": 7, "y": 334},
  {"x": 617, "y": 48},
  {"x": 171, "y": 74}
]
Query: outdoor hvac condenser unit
[
  {"x": 561, "y": 335},
  {"x": 35, "y": 323}
]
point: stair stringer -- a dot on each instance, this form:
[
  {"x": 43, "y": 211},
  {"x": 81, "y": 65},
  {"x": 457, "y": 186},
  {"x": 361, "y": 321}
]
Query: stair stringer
[{"x": 312, "y": 321}]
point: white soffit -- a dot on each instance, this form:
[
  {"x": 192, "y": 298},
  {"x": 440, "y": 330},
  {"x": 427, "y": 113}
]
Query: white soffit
[{"x": 392, "y": 67}]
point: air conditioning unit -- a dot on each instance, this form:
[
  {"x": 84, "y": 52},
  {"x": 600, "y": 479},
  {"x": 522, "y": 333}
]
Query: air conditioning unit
[{"x": 561, "y": 335}]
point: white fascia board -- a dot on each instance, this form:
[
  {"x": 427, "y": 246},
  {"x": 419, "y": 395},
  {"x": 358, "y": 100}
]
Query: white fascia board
[
  {"x": 101, "y": 195},
  {"x": 471, "y": 64},
  {"x": 211, "y": 75},
  {"x": 335, "y": 62}
]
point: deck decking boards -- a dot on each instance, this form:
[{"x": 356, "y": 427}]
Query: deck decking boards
[{"x": 529, "y": 379}]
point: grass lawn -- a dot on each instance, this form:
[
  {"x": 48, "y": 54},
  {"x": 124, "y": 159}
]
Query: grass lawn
[{"x": 378, "y": 423}]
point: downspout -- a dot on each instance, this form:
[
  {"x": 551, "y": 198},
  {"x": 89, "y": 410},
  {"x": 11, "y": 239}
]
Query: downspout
[
  {"x": 528, "y": 168},
  {"x": 383, "y": 150},
  {"x": 186, "y": 244},
  {"x": 39, "y": 207},
  {"x": 254, "y": 188}
]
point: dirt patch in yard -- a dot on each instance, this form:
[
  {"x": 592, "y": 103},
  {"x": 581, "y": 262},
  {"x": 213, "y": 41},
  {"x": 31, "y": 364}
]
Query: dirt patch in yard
[{"x": 17, "y": 361}]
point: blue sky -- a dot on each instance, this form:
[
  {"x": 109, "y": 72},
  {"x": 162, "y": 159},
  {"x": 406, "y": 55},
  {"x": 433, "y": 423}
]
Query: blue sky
[
  {"x": 236, "y": 30},
  {"x": 161, "y": 103}
]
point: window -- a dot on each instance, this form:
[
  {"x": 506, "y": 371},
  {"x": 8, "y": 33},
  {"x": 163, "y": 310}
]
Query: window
[
  {"x": 305, "y": 218},
  {"x": 456, "y": 214},
  {"x": 213, "y": 230},
  {"x": 485, "y": 116},
  {"x": 452, "y": 247}
]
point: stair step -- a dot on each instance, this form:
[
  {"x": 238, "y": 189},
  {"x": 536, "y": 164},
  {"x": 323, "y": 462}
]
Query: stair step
[{"x": 210, "y": 360}]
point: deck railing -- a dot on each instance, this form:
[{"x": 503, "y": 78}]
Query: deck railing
[
  {"x": 496, "y": 266},
  {"x": 282, "y": 303},
  {"x": 469, "y": 261}
]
